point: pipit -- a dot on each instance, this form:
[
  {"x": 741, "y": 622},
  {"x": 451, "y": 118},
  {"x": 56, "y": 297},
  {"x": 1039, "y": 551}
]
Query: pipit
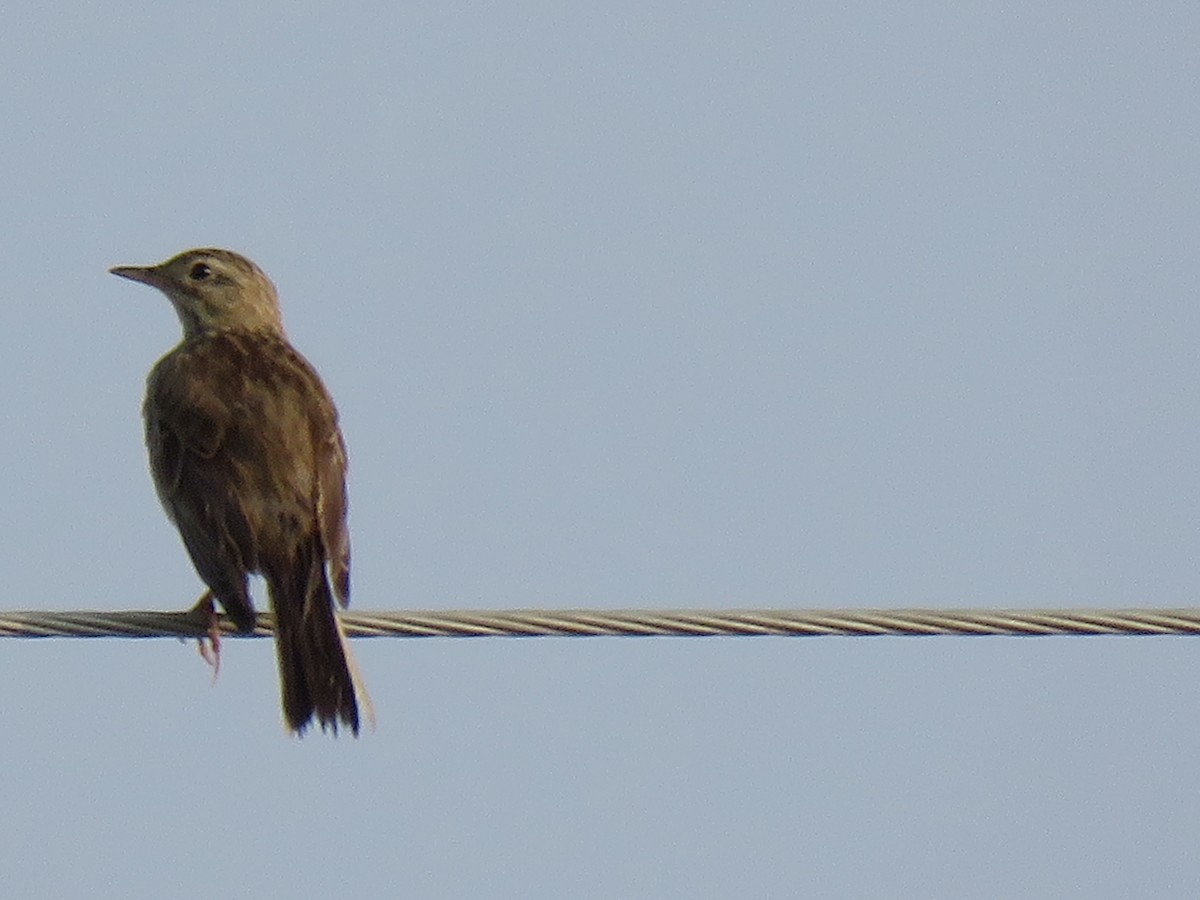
[{"x": 250, "y": 465}]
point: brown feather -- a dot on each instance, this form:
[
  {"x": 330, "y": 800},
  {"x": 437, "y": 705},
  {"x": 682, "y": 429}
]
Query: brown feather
[{"x": 249, "y": 463}]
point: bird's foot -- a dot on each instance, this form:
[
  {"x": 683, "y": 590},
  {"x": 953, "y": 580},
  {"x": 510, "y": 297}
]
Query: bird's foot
[{"x": 209, "y": 644}]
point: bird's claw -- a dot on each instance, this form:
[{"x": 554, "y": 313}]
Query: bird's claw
[{"x": 209, "y": 644}]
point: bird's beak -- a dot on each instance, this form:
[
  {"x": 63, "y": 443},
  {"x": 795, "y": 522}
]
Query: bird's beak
[{"x": 150, "y": 275}]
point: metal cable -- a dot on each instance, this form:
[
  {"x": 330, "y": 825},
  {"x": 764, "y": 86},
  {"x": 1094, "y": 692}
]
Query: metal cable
[{"x": 639, "y": 623}]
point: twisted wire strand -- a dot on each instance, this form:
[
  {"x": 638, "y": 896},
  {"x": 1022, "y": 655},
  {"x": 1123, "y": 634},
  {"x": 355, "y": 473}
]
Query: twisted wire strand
[{"x": 637, "y": 623}]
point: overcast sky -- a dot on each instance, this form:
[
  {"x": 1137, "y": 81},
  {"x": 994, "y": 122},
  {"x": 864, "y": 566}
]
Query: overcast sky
[{"x": 625, "y": 305}]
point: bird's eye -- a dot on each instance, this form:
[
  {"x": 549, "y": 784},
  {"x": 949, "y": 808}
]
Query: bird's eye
[{"x": 199, "y": 272}]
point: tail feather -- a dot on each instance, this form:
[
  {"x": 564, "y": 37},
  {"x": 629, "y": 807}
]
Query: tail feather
[{"x": 317, "y": 674}]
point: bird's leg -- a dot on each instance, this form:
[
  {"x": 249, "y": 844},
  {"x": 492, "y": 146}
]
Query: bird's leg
[{"x": 209, "y": 644}]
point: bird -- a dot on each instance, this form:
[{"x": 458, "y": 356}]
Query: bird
[{"x": 249, "y": 463}]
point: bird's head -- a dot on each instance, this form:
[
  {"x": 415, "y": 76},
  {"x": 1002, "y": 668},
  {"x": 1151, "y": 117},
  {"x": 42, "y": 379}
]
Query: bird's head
[{"x": 213, "y": 290}]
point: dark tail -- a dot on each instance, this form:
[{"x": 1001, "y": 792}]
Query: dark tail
[{"x": 316, "y": 673}]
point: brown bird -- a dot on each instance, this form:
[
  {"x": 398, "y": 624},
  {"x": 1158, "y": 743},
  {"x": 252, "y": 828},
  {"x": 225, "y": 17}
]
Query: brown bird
[{"x": 250, "y": 465}]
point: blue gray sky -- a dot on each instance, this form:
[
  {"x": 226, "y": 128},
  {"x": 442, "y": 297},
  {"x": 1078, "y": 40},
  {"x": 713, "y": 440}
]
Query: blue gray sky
[{"x": 656, "y": 305}]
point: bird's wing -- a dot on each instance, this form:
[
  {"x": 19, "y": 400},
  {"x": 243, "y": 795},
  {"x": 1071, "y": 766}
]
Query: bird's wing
[
  {"x": 324, "y": 472},
  {"x": 175, "y": 431},
  {"x": 189, "y": 413},
  {"x": 331, "y": 507}
]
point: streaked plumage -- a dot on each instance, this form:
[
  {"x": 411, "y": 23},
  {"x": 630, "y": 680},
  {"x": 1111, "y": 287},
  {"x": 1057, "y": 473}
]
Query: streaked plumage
[{"x": 249, "y": 463}]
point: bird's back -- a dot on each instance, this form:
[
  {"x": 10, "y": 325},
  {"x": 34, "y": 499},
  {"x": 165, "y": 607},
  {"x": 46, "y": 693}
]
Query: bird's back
[{"x": 244, "y": 444}]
